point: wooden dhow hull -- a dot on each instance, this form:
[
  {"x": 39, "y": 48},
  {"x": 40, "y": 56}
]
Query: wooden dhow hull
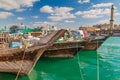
[
  {"x": 64, "y": 49},
  {"x": 11, "y": 61},
  {"x": 61, "y": 53},
  {"x": 23, "y": 60},
  {"x": 93, "y": 44},
  {"x": 70, "y": 49}
]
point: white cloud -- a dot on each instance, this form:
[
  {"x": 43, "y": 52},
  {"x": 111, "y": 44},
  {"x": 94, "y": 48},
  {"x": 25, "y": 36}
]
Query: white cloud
[
  {"x": 83, "y": 1},
  {"x": 16, "y": 4},
  {"x": 20, "y": 10},
  {"x": 93, "y": 13},
  {"x": 117, "y": 14},
  {"x": 69, "y": 21},
  {"x": 97, "y": 11},
  {"x": 44, "y": 24},
  {"x": 46, "y": 9},
  {"x": 91, "y": 16},
  {"x": 102, "y": 5},
  {"x": 78, "y": 13},
  {"x": 59, "y": 17},
  {"x": 4, "y": 15},
  {"x": 58, "y": 13},
  {"x": 20, "y": 18},
  {"x": 35, "y": 17},
  {"x": 103, "y": 21}
]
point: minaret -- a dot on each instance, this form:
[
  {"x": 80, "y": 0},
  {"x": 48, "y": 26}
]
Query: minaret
[{"x": 112, "y": 18}]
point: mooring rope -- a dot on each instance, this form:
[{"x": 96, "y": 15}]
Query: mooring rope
[
  {"x": 16, "y": 78},
  {"x": 81, "y": 73}
]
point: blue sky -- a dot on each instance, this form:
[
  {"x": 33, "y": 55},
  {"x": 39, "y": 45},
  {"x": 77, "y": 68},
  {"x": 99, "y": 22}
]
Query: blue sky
[{"x": 61, "y": 13}]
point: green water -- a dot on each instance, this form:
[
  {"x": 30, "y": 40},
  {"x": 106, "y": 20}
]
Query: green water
[{"x": 84, "y": 66}]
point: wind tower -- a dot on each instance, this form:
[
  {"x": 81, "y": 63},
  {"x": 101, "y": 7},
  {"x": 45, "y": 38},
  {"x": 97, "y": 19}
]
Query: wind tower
[{"x": 112, "y": 18}]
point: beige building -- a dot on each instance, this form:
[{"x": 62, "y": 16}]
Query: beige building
[
  {"x": 89, "y": 29},
  {"x": 106, "y": 26}
]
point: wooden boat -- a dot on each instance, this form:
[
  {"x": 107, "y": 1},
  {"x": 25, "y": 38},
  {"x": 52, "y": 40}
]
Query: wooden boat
[
  {"x": 69, "y": 49},
  {"x": 23, "y": 60},
  {"x": 66, "y": 49},
  {"x": 93, "y": 43}
]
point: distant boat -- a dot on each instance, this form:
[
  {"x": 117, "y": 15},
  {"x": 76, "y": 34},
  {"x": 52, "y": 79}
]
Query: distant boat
[{"x": 23, "y": 60}]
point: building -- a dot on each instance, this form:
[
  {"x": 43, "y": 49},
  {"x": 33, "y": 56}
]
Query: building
[
  {"x": 106, "y": 26},
  {"x": 109, "y": 26},
  {"x": 16, "y": 28},
  {"x": 89, "y": 29},
  {"x": 112, "y": 18}
]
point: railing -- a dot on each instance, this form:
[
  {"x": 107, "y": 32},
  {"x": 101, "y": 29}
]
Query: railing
[{"x": 4, "y": 37}]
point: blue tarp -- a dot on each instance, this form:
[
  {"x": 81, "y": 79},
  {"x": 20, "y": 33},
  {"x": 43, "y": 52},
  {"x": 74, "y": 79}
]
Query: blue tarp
[{"x": 15, "y": 44}]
